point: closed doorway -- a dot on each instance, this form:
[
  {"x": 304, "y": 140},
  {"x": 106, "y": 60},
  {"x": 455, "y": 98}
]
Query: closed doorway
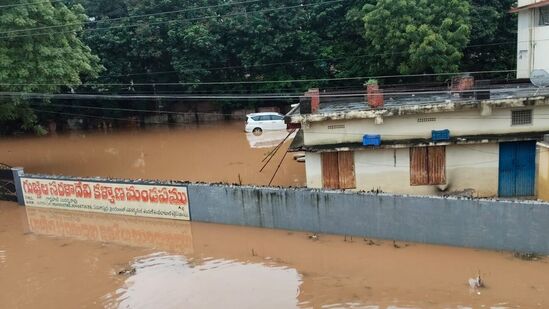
[
  {"x": 338, "y": 170},
  {"x": 517, "y": 169}
]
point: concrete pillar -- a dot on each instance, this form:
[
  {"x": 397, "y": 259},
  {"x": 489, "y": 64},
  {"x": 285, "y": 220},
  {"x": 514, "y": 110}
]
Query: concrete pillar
[
  {"x": 378, "y": 119},
  {"x": 485, "y": 109},
  {"x": 314, "y": 94},
  {"x": 374, "y": 96},
  {"x": 17, "y": 173}
]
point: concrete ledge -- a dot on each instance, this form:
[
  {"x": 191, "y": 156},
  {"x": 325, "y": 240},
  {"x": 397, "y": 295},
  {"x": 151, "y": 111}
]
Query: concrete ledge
[{"x": 478, "y": 223}]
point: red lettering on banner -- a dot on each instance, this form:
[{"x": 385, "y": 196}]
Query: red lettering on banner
[
  {"x": 107, "y": 192},
  {"x": 26, "y": 186},
  {"x": 164, "y": 197},
  {"x": 145, "y": 196},
  {"x": 132, "y": 194},
  {"x": 44, "y": 188},
  {"x": 86, "y": 191},
  {"x": 79, "y": 190},
  {"x": 153, "y": 195},
  {"x": 53, "y": 188},
  {"x": 119, "y": 194},
  {"x": 97, "y": 191},
  {"x": 177, "y": 198}
]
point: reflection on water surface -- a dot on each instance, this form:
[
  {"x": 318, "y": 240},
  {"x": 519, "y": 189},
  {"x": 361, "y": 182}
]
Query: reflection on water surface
[{"x": 173, "y": 281}]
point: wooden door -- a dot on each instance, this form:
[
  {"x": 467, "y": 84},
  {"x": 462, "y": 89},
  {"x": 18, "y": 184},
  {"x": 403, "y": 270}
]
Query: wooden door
[
  {"x": 437, "y": 165},
  {"x": 346, "y": 163},
  {"x": 338, "y": 170},
  {"x": 418, "y": 166},
  {"x": 330, "y": 170}
]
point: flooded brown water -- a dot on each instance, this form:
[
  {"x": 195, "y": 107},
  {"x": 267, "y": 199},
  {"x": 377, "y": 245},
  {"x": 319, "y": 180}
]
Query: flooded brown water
[
  {"x": 219, "y": 152},
  {"x": 60, "y": 259}
]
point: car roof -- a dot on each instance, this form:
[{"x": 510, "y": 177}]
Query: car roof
[{"x": 263, "y": 114}]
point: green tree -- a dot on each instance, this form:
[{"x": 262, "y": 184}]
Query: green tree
[
  {"x": 416, "y": 36},
  {"x": 493, "y": 36},
  {"x": 47, "y": 59},
  {"x": 208, "y": 41}
]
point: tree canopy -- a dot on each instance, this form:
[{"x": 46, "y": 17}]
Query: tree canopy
[
  {"x": 417, "y": 36},
  {"x": 195, "y": 42},
  {"x": 44, "y": 63}
]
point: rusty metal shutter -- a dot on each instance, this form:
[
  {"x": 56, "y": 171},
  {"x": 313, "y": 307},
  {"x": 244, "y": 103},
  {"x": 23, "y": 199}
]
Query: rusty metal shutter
[
  {"x": 330, "y": 170},
  {"x": 418, "y": 166},
  {"x": 346, "y": 162},
  {"x": 437, "y": 165}
]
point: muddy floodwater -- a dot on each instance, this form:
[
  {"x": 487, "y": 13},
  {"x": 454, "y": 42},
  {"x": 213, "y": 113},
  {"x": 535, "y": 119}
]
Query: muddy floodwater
[
  {"x": 61, "y": 259},
  {"x": 219, "y": 152}
]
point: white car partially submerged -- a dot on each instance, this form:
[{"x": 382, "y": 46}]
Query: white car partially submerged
[{"x": 268, "y": 121}]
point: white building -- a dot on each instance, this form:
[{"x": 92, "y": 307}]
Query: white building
[
  {"x": 490, "y": 150},
  {"x": 533, "y": 36}
]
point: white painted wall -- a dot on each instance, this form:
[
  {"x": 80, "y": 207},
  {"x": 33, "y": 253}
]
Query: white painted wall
[
  {"x": 524, "y": 44},
  {"x": 525, "y": 2},
  {"x": 532, "y": 42},
  {"x": 313, "y": 170},
  {"x": 467, "y": 167},
  {"x": 408, "y": 127}
]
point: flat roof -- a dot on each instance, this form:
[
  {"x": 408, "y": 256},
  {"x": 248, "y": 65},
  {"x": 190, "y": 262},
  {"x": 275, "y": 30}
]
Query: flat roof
[
  {"x": 406, "y": 103},
  {"x": 529, "y": 6}
]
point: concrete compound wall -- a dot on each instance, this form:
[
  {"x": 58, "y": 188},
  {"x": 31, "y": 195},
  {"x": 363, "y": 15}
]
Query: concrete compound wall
[{"x": 499, "y": 225}]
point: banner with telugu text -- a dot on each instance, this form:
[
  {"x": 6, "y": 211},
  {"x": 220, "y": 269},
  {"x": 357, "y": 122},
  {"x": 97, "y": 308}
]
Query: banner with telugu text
[{"x": 144, "y": 200}]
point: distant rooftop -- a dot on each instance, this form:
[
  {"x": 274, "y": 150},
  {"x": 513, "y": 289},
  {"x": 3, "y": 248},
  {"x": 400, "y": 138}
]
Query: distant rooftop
[{"x": 339, "y": 105}]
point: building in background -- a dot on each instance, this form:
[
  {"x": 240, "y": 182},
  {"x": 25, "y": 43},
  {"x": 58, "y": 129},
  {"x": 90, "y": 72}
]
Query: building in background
[
  {"x": 532, "y": 37},
  {"x": 452, "y": 142}
]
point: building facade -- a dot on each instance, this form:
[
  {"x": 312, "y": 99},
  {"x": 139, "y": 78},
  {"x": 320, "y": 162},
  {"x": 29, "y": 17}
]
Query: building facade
[
  {"x": 489, "y": 149},
  {"x": 532, "y": 36}
]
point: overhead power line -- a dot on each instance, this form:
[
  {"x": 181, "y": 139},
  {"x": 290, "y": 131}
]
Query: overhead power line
[
  {"x": 119, "y": 109},
  {"x": 129, "y": 17},
  {"x": 248, "y": 96},
  {"x": 174, "y": 20},
  {"x": 538, "y": 116},
  {"x": 85, "y": 115},
  {"x": 263, "y": 81},
  {"x": 143, "y": 97},
  {"x": 28, "y": 4},
  {"x": 281, "y": 63}
]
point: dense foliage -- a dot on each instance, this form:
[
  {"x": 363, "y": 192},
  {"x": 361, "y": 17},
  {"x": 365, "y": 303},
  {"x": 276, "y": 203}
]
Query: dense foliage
[
  {"x": 40, "y": 63},
  {"x": 425, "y": 36},
  {"x": 144, "y": 44},
  {"x": 493, "y": 36}
]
